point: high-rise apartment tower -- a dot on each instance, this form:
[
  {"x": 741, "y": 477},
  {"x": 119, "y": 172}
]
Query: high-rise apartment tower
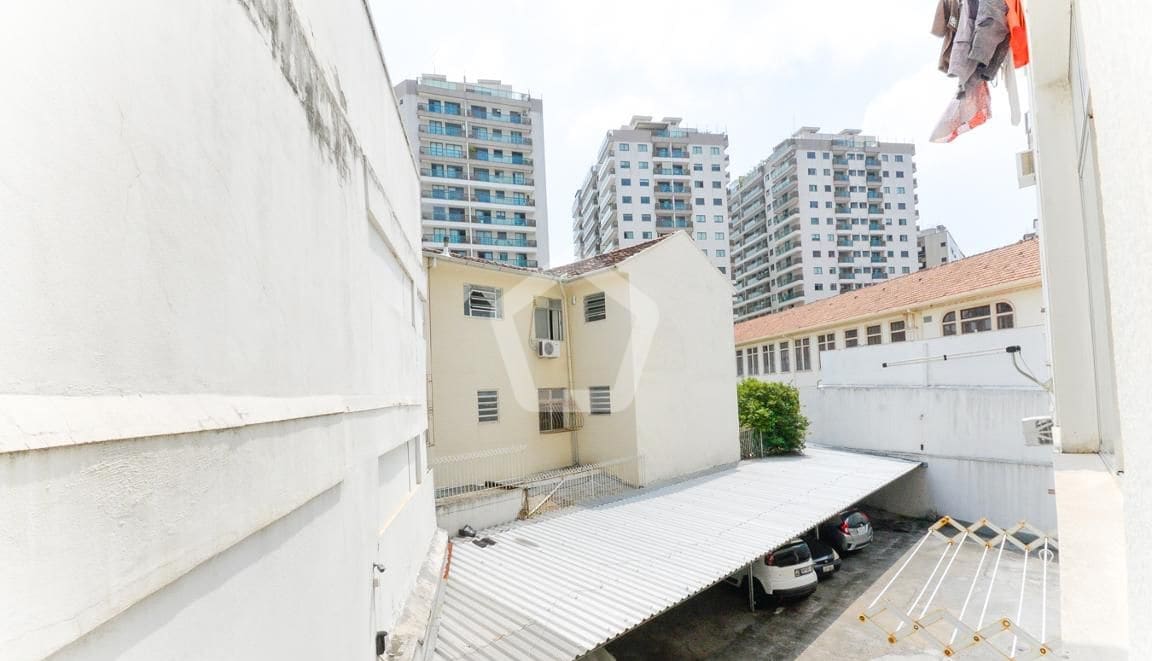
[
  {"x": 653, "y": 178},
  {"x": 480, "y": 147},
  {"x": 825, "y": 213}
]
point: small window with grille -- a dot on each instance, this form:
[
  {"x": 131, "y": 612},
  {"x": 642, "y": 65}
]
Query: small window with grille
[
  {"x": 600, "y": 400},
  {"x": 595, "y": 308},
  {"x": 487, "y": 406}
]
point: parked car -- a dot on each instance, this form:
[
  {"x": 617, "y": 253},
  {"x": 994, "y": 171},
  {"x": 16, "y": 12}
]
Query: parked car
[
  {"x": 786, "y": 573},
  {"x": 825, "y": 559},
  {"x": 850, "y": 530}
]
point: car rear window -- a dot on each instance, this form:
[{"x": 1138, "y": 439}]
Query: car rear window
[
  {"x": 855, "y": 519},
  {"x": 791, "y": 555}
]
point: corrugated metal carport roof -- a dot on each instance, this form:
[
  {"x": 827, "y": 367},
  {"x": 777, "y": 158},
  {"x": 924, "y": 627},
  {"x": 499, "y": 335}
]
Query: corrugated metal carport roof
[{"x": 562, "y": 586}]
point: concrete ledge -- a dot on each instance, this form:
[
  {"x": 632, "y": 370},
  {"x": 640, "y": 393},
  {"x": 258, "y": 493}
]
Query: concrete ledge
[{"x": 414, "y": 636}]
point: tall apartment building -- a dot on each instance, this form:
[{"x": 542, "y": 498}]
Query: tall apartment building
[
  {"x": 935, "y": 246},
  {"x": 480, "y": 146},
  {"x": 824, "y": 213},
  {"x": 653, "y": 178}
]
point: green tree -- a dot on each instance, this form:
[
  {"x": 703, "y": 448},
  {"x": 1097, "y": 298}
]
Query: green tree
[{"x": 771, "y": 411}]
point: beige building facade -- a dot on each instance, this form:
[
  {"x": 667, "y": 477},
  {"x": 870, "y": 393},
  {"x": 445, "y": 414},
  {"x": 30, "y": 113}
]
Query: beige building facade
[{"x": 585, "y": 363}]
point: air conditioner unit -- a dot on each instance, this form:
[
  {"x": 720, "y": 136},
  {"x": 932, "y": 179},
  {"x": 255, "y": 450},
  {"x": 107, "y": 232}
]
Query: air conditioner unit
[
  {"x": 548, "y": 348},
  {"x": 1037, "y": 430}
]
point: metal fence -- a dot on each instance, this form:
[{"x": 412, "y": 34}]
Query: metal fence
[{"x": 476, "y": 474}]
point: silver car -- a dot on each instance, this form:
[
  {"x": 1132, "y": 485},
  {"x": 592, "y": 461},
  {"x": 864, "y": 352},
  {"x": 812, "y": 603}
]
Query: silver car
[{"x": 849, "y": 530}]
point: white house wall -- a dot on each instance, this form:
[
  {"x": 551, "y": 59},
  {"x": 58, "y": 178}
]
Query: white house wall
[
  {"x": 214, "y": 369},
  {"x": 686, "y": 418}
]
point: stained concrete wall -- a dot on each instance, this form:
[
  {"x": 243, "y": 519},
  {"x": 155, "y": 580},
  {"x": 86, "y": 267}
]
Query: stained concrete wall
[{"x": 213, "y": 379}]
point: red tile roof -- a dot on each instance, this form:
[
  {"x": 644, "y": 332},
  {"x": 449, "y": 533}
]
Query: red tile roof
[
  {"x": 603, "y": 261},
  {"x": 1018, "y": 262}
]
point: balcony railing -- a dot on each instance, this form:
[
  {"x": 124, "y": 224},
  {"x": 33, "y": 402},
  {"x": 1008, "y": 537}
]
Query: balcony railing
[
  {"x": 508, "y": 160},
  {"x": 510, "y": 222},
  {"x": 516, "y": 201},
  {"x": 444, "y": 238},
  {"x": 444, "y": 194},
  {"x": 446, "y": 217},
  {"x": 505, "y": 179},
  {"x": 443, "y": 110},
  {"x": 442, "y": 174},
  {"x": 513, "y": 243},
  {"x": 443, "y": 153},
  {"x": 506, "y": 139},
  {"x": 508, "y": 119},
  {"x": 450, "y": 131}
]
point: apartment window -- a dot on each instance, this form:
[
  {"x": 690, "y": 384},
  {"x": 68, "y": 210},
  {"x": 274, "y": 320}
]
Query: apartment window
[
  {"x": 698, "y": 184},
  {"x": 624, "y": 146},
  {"x": 647, "y": 235},
  {"x": 739, "y": 362},
  {"x": 482, "y": 302},
  {"x": 626, "y": 199},
  {"x": 827, "y": 172},
  {"x": 719, "y": 236},
  {"x": 700, "y": 201},
  {"x": 811, "y": 154},
  {"x": 600, "y": 400},
  {"x": 715, "y": 151},
  {"x": 718, "y": 218},
  {"x": 813, "y": 204},
  {"x": 715, "y": 167},
  {"x": 629, "y": 235},
  {"x": 812, "y": 171},
  {"x": 624, "y": 165},
  {"x": 645, "y": 217},
  {"x": 784, "y": 357},
  {"x": 899, "y": 158},
  {"x": 645, "y": 199},
  {"x": 874, "y": 334},
  {"x": 595, "y": 307},
  {"x": 906, "y": 269},
  {"x": 701, "y": 236},
  {"x": 548, "y": 319},
  {"x": 819, "y": 286},
  {"x": 721, "y": 253},
  {"x": 851, "y": 338},
  {"x": 487, "y": 406},
  {"x": 717, "y": 202},
  {"x": 753, "y": 361},
  {"x": 899, "y": 174},
  {"x": 700, "y": 218},
  {"x": 769, "y": 358},
  {"x": 643, "y": 182},
  {"x": 697, "y": 149},
  {"x": 818, "y": 270},
  {"x": 1004, "y": 317},
  {"x": 642, "y": 147},
  {"x": 716, "y": 184},
  {"x": 813, "y": 221},
  {"x": 697, "y": 167},
  {"x": 803, "y": 355},
  {"x": 555, "y": 413},
  {"x": 625, "y": 182},
  {"x": 815, "y": 237},
  {"x": 824, "y": 343},
  {"x": 978, "y": 319},
  {"x": 897, "y": 332},
  {"x": 627, "y": 217}
]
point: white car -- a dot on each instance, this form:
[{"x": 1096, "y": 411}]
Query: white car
[{"x": 786, "y": 573}]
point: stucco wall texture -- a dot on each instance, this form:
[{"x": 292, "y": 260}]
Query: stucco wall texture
[{"x": 213, "y": 375}]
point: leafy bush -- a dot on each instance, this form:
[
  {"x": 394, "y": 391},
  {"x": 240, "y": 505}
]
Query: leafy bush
[{"x": 771, "y": 411}]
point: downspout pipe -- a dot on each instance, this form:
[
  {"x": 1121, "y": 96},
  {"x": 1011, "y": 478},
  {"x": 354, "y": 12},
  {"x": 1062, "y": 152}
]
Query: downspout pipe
[{"x": 569, "y": 345}]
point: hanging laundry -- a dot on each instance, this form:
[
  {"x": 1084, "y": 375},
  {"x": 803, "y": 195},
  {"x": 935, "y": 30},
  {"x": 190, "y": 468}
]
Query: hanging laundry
[
  {"x": 944, "y": 26},
  {"x": 964, "y": 113},
  {"x": 1018, "y": 34},
  {"x": 981, "y": 42},
  {"x": 1012, "y": 90}
]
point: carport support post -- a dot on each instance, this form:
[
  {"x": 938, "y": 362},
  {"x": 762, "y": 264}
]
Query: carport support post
[{"x": 751, "y": 592}]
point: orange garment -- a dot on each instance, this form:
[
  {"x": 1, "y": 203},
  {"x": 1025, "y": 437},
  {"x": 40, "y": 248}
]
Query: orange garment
[{"x": 1017, "y": 34}]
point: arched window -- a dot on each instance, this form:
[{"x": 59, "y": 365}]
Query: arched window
[
  {"x": 949, "y": 323},
  {"x": 1004, "y": 316}
]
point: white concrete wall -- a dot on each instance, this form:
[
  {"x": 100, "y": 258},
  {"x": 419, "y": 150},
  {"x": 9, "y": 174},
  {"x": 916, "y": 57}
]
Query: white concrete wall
[
  {"x": 1091, "y": 140},
  {"x": 961, "y": 417},
  {"x": 214, "y": 379},
  {"x": 686, "y": 418}
]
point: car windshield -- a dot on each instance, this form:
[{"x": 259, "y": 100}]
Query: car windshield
[
  {"x": 855, "y": 519},
  {"x": 792, "y": 554}
]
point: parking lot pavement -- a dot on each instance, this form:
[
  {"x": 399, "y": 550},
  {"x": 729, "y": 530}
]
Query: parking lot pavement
[{"x": 716, "y": 624}]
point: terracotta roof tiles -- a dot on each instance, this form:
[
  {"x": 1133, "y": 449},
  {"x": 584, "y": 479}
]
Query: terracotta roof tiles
[{"x": 1019, "y": 261}]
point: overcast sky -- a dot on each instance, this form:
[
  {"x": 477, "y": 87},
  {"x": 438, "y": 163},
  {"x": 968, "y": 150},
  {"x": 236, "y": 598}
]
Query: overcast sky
[{"x": 754, "y": 69}]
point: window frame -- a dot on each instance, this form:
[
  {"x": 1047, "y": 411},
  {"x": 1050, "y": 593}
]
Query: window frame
[
  {"x": 851, "y": 338},
  {"x": 487, "y": 412},
  {"x": 599, "y": 400},
  {"x": 555, "y": 311},
  {"x": 898, "y": 329},
  {"x": 595, "y": 307},
  {"x": 875, "y": 332},
  {"x": 495, "y": 304}
]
